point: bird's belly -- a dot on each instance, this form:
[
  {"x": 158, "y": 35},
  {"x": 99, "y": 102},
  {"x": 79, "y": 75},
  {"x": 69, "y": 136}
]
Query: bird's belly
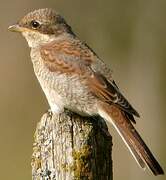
[
  {"x": 55, "y": 101},
  {"x": 64, "y": 91}
]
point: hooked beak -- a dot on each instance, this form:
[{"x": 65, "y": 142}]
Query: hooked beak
[{"x": 16, "y": 28}]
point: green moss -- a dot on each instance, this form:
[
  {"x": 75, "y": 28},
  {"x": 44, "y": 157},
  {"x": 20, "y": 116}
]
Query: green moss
[
  {"x": 80, "y": 166},
  {"x": 81, "y": 163},
  {"x": 66, "y": 167},
  {"x": 36, "y": 163}
]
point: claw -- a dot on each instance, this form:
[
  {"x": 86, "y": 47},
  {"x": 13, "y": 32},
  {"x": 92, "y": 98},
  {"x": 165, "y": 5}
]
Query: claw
[{"x": 49, "y": 113}]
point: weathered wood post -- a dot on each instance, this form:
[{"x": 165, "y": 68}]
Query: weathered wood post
[{"x": 71, "y": 147}]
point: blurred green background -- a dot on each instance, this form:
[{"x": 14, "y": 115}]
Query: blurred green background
[{"x": 129, "y": 35}]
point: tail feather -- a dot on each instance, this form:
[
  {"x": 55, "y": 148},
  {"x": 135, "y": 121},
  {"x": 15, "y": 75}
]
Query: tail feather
[{"x": 130, "y": 136}]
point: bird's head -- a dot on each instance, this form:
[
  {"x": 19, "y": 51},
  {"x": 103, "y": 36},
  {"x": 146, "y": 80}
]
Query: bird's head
[{"x": 41, "y": 26}]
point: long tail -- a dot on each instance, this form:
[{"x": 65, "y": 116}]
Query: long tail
[{"x": 130, "y": 136}]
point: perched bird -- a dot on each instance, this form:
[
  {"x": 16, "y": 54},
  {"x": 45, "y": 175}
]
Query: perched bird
[{"x": 72, "y": 76}]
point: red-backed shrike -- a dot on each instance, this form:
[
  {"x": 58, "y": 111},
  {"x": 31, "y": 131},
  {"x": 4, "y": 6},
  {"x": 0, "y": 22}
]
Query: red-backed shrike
[{"x": 72, "y": 76}]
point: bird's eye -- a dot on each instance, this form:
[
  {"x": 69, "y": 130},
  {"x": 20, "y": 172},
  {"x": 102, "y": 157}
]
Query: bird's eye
[{"x": 35, "y": 24}]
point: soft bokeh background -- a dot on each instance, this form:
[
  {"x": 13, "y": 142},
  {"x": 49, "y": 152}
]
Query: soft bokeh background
[{"x": 129, "y": 35}]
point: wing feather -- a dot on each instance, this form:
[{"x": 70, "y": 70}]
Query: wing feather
[{"x": 76, "y": 58}]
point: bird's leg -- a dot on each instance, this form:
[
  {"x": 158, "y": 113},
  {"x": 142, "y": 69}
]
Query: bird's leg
[{"x": 49, "y": 113}]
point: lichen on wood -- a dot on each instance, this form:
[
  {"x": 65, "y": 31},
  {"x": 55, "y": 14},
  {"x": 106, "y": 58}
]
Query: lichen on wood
[{"x": 71, "y": 147}]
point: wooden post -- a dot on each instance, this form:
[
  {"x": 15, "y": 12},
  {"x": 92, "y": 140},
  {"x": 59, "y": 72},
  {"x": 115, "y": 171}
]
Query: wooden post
[{"x": 71, "y": 147}]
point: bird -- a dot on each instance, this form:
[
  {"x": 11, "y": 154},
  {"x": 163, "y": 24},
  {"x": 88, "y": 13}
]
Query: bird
[{"x": 73, "y": 77}]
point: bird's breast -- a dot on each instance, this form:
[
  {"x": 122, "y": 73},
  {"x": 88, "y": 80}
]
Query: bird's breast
[{"x": 63, "y": 90}]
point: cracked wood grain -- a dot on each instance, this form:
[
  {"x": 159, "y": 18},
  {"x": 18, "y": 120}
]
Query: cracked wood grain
[{"x": 70, "y": 147}]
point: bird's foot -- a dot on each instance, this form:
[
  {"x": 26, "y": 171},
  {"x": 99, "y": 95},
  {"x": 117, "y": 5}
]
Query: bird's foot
[{"x": 49, "y": 113}]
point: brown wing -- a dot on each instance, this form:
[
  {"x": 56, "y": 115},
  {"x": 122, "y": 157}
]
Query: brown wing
[
  {"x": 108, "y": 92},
  {"x": 76, "y": 58},
  {"x": 66, "y": 56}
]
